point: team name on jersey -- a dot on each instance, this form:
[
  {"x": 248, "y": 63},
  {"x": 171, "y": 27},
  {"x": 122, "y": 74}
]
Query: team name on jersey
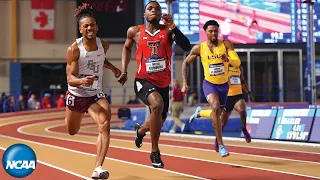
[{"x": 214, "y": 56}]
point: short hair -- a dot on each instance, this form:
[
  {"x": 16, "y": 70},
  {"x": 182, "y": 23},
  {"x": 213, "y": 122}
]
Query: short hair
[
  {"x": 151, "y": 2},
  {"x": 85, "y": 10},
  {"x": 210, "y": 23}
]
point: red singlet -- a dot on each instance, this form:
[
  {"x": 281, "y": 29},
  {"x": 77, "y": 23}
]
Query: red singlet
[{"x": 153, "y": 57}]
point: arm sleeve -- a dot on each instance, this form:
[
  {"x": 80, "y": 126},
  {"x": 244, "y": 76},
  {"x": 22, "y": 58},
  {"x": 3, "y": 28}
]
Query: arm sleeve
[
  {"x": 234, "y": 59},
  {"x": 181, "y": 40}
]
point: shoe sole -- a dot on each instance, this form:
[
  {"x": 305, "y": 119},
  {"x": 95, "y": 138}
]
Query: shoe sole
[
  {"x": 226, "y": 155},
  {"x": 155, "y": 166},
  {"x": 105, "y": 175}
]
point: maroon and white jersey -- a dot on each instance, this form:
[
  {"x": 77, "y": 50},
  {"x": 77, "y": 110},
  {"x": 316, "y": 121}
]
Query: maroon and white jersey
[{"x": 89, "y": 63}]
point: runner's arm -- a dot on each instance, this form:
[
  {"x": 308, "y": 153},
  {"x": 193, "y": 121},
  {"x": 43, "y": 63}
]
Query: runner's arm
[
  {"x": 234, "y": 59},
  {"x": 244, "y": 82},
  {"x": 107, "y": 64},
  {"x": 72, "y": 67},
  {"x": 195, "y": 51},
  {"x": 126, "y": 51},
  {"x": 181, "y": 40}
]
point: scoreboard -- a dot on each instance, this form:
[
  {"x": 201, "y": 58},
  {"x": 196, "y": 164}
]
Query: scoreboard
[
  {"x": 293, "y": 124},
  {"x": 299, "y": 25}
]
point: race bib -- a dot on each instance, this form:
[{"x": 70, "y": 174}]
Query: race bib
[
  {"x": 155, "y": 65},
  {"x": 235, "y": 80},
  {"x": 216, "y": 69},
  {"x": 70, "y": 100}
]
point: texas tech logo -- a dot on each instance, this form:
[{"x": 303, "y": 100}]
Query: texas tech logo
[{"x": 154, "y": 45}]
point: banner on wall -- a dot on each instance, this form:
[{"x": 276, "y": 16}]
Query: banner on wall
[
  {"x": 293, "y": 123},
  {"x": 315, "y": 131},
  {"x": 43, "y": 19},
  {"x": 260, "y": 121}
]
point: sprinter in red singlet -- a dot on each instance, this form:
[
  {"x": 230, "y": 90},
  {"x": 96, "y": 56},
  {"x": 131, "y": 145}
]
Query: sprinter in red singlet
[{"x": 153, "y": 74}]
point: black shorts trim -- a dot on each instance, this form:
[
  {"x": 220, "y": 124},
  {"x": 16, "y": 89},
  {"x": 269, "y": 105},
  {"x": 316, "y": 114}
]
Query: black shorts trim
[
  {"x": 231, "y": 101},
  {"x": 144, "y": 88}
]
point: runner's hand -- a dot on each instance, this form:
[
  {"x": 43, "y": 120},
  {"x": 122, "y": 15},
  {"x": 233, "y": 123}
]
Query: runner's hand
[
  {"x": 116, "y": 72},
  {"x": 184, "y": 89},
  {"x": 123, "y": 78},
  {"x": 168, "y": 21},
  {"x": 224, "y": 58},
  {"x": 88, "y": 81}
]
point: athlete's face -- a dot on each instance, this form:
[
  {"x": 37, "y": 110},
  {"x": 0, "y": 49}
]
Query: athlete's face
[
  {"x": 88, "y": 27},
  {"x": 153, "y": 13},
  {"x": 212, "y": 33}
]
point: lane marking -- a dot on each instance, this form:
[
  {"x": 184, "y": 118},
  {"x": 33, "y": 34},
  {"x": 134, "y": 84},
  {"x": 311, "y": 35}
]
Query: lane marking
[
  {"x": 196, "y": 159},
  {"x": 58, "y": 168},
  {"x": 112, "y": 159}
]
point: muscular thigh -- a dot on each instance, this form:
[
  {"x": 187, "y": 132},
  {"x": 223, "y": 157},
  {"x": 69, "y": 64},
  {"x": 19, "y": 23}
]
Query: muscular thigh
[
  {"x": 105, "y": 105},
  {"x": 73, "y": 118},
  {"x": 143, "y": 89},
  {"x": 98, "y": 113},
  {"x": 240, "y": 105}
]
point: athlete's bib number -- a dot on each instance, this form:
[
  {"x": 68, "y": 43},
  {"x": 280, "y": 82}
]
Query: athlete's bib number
[
  {"x": 235, "y": 80},
  {"x": 101, "y": 95},
  {"x": 216, "y": 69},
  {"x": 70, "y": 100},
  {"x": 155, "y": 65}
]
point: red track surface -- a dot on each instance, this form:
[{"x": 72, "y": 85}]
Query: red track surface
[{"x": 188, "y": 166}]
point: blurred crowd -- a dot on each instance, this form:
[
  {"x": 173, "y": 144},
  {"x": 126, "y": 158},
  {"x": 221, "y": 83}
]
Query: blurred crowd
[{"x": 8, "y": 103}]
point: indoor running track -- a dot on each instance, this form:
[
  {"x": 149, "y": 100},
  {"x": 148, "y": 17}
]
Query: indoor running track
[{"x": 61, "y": 156}]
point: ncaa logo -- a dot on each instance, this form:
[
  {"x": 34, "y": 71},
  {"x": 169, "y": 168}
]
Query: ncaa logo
[{"x": 19, "y": 160}]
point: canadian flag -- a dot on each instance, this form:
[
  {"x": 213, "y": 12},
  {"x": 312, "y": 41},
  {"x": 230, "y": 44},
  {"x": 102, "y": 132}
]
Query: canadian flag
[{"x": 43, "y": 19}]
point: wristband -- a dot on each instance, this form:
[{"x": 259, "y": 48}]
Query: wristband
[
  {"x": 172, "y": 26},
  {"x": 125, "y": 73}
]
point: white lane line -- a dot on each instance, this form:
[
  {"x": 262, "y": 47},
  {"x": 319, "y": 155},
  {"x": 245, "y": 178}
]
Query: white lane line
[
  {"x": 112, "y": 159},
  {"x": 58, "y": 168},
  {"x": 196, "y": 159}
]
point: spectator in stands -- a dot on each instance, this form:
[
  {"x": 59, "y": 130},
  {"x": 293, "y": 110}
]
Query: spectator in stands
[
  {"x": 8, "y": 104},
  {"x": 61, "y": 101},
  {"x": 32, "y": 102},
  {"x": 21, "y": 104},
  {"x": 176, "y": 104},
  {"x": 38, "y": 105},
  {"x": 192, "y": 99},
  {"x": 46, "y": 101},
  {"x": 3, "y": 95},
  {"x": 133, "y": 100}
]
